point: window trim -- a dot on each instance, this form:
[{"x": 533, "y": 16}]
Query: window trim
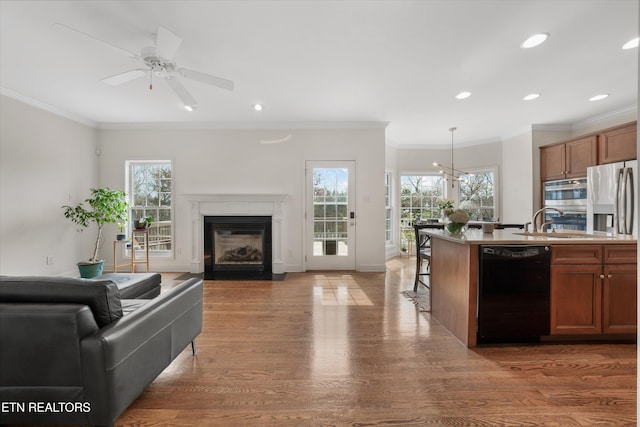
[
  {"x": 389, "y": 207},
  {"x": 496, "y": 186},
  {"x": 158, "y": 254}
]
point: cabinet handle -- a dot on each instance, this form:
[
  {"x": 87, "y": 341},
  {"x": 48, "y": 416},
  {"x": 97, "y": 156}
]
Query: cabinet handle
[
  {"x": 609, "y": 276},
  {"x": 602, "y": 276}
]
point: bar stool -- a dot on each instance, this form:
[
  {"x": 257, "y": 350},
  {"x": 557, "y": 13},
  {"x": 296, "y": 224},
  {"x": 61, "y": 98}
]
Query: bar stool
[{"x": 423, "y": 256}]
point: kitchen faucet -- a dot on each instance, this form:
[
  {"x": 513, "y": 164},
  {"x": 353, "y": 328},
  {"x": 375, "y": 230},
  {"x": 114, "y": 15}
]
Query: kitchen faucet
[{"x": 535, "y": 218}]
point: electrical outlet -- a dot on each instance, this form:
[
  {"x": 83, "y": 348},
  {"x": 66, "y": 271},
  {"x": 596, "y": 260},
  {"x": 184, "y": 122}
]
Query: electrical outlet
[{"x": 49, "y": 260}]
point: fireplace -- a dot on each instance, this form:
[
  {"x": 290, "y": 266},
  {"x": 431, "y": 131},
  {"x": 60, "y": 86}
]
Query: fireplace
[
  {"x": 237, "y": 247},
  {"x": 240, "y": 205}
]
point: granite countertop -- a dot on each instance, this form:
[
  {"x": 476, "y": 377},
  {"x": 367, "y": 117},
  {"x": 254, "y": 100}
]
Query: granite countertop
[{"x": 511, "y": 237}]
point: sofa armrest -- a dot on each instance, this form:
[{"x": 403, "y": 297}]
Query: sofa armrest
[
  {"x": 123, "y": 358},
  {"x": 40, "y": 359}
]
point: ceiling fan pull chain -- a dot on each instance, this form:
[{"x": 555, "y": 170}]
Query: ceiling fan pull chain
[{"x": 151, "y": 80}]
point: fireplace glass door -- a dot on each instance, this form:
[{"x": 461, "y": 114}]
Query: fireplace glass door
[
  {"x": 243, "y": 247},
  {"x": 238, "y": 245}
]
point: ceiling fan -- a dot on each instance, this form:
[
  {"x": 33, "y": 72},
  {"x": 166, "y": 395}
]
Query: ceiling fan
[{"x": 159, "y": 62}]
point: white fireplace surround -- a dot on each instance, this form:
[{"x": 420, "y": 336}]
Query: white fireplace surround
[{"x": 235, "y": 205}]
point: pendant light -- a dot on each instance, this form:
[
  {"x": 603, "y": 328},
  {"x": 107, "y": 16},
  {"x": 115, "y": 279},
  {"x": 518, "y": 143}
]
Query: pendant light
[{"x": 450, "y": 173}]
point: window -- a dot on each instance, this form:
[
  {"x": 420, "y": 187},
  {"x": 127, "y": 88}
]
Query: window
[
  {"x": 419, "y": 196},
  {"x": 149, "y": 185},
  {"x": 388, "y": 206},
  {"x": 477, "y": 194}
]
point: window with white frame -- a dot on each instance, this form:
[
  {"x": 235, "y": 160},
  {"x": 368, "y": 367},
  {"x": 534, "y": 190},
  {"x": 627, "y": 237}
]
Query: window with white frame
[
  {"x": 149, "y": 189},
  {"x": 388, "y": 205},
  {"x": 419, "y": 195},
  {"x": 477, "y": 194}
]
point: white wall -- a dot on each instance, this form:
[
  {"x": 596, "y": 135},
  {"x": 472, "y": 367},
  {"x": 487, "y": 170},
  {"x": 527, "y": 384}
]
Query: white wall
[
  {"x": 219, "y": 161},
  {"x": 45, "y": 160},
  {"x": 517, "y": 179}
]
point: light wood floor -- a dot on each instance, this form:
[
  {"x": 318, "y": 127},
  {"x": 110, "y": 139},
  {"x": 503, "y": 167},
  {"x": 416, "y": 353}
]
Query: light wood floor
[{"x": 323, "y": 349}]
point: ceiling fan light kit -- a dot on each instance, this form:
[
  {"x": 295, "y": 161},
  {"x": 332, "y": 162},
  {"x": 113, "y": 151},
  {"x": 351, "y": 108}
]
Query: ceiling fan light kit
[{"x": 159, "y": 62}]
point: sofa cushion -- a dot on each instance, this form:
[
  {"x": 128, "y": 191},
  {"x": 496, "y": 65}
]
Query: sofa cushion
[
  {"x": 135, "y": 285},
  {"x": 102, "y": 296}
]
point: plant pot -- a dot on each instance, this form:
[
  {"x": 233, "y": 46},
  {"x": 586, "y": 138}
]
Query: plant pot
[
  {"x": 90, "y": 269},
  {"x": 121, "y": 236}
]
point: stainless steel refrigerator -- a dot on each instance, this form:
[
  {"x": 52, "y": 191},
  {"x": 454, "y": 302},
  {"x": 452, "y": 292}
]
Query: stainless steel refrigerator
[{"x": 612, "y": 205}]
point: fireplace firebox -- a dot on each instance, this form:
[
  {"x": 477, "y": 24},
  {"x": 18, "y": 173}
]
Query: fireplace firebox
[{"x": 237, "y": 247}]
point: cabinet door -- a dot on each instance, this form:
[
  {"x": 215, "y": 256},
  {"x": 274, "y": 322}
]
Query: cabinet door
[
  {"x": 620, "y": 254},
  {"x": 576, "y": 254},
  {"x": 581, "y": 154},
  {"x": 552, "y": 162},
  {"x": 619, "y": 295},
  {"x": 618, "y": 144},
  {"x": 576, "y": 299}
]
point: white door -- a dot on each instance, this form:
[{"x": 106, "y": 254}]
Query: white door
[{"x": 330, "y": 215}]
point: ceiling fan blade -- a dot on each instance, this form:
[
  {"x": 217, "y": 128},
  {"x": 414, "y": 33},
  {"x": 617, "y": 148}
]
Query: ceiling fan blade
[
  {"x": 127, "y": 76},
  {"x": 182, "y": 93},
  {"x": 167, "y": 43},
  {"x": 206, "y": 78},
  {"x": 95, "y": 39}
]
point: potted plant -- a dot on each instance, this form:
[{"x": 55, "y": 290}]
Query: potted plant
[
  {"x": 121, "y": 235},
  {"x": 105, "y": 206},
  {"x": 144, "y": 222}
]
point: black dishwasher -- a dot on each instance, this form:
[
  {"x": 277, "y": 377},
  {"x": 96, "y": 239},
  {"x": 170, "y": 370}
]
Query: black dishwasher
[{"x": 514, "y": 293}]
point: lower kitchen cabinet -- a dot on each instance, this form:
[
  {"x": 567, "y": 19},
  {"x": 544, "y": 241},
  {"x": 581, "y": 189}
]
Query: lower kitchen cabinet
[
  {"x": 593, "y": 290},
  {"x": 619, "y": 299},
  {"x": 576, "y": 299}
]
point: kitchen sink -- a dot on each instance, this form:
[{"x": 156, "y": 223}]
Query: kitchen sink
[{"x": 561, "y": 235}]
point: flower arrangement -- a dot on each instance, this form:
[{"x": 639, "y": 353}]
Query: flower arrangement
[
  {"x": 457, "y": 220},
  {"x": 446, "y": 207}
]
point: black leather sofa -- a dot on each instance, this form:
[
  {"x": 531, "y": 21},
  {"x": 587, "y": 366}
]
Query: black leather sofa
[{"x": 73, "y": 352}]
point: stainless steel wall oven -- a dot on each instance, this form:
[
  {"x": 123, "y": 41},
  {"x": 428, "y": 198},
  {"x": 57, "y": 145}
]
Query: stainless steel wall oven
[{"x": 570, "y": 196}]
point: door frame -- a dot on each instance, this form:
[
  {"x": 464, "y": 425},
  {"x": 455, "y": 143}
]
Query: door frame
[{"x": 307, "y": 237}]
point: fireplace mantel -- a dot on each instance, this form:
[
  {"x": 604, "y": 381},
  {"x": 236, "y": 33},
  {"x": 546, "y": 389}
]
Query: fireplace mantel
[{"x": 235, "y": 204}]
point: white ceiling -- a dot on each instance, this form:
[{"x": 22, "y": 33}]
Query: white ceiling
[{"x": 336, "y": 62}]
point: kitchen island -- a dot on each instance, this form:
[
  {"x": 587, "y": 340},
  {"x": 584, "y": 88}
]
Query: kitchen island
[{"x": 580, "y": 266}]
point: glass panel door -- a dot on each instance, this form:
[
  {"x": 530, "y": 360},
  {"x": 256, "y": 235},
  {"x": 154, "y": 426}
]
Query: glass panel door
[{"x": 330, "y": 216}]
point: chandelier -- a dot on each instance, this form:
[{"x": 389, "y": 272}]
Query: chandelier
[{"x": 450, "y": 173}]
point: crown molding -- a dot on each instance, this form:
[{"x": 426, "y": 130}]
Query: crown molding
[
  {"x": 46, "y": 107},
  {"x": 609, "y": 115},
  {"x": 244, "y": 125}
]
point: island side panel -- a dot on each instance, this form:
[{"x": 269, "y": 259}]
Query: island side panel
[{"x": 454, "y": 287}]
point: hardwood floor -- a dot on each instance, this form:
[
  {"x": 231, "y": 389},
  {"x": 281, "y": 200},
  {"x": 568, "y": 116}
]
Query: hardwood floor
[{"x": 341, "y": 348}]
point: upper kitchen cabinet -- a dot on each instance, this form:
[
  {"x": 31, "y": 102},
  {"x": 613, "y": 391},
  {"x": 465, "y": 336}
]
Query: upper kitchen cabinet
[
  {"x": 569, "y": 159},
  {"x": 617, "y": 144}
]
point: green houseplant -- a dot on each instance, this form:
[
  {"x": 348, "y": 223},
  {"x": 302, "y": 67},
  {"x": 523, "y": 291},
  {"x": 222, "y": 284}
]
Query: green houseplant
[
  {"x": 144, "y": 222},
  {"x": 105, "y": 206}
]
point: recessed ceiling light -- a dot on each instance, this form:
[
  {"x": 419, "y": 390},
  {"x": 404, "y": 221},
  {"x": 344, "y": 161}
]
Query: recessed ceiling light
[
  {"x": 257, "y": 107},
  {"x": 188, "y": 107},
  {"x": 463, "y": 95},
  {"x": 531, "y": 96},
  {"x": 598, "y": 97},
  {"x": 534, "y": 40},
  {"x": 631, "y": 43}
]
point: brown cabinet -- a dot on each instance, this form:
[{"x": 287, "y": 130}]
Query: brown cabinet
[
  {"x": 593, "y": 289},
  {"x": 618, "y": 144},
  {"x": 568, "y": 160}
]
